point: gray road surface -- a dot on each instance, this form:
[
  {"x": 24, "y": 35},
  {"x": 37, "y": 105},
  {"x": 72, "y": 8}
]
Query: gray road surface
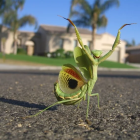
[{"x": 23, "y": 93}]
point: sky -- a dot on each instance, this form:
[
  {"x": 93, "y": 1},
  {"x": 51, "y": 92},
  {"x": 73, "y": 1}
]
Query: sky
[{"x": 46, "y": 11}]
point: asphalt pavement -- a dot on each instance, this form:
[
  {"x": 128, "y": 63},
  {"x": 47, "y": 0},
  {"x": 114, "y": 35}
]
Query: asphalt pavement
[{"x": 25, "y": 92}]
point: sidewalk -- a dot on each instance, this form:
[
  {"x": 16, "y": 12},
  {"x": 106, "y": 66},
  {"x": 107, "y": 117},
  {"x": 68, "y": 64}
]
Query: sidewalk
[
  {"x": 25, "y": 67},
  {"x": 134, "y": 64}
]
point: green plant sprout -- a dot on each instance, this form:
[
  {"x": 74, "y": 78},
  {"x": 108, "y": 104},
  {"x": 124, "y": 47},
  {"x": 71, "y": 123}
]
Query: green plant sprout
[{"x": 73, "y": 86}]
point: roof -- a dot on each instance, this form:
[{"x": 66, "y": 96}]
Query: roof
[
  {"x": 53, "y": 29},
  {"x": 28, "y": 33},
  {"x": 133, "y": 48},
  {"x": 25, "y": 32}
]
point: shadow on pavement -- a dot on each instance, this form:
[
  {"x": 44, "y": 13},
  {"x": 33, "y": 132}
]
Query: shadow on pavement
[{"x": 26, "y": 104}]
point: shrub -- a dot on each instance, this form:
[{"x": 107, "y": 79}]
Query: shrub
[
  {"x": 53, "y": 55},
  {"x": 59, "y": 53},
  {"x": 69, "y": 54},
  {"x": 21, "y": 51}
]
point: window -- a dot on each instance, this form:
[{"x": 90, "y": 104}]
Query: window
[
  {"x": 75, "y": 43},
  {"x": 61, "y": 42}
]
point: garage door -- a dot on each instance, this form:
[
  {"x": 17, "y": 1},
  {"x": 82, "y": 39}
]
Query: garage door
[{"x": 114, "y": 56}]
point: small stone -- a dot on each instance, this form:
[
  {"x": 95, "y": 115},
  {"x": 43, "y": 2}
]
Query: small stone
[
  {"x": 29, "y": 125},
  {"x": 19, "y": 125}
]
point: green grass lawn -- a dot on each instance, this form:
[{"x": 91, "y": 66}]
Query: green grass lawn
[
  {"x": 60, "y": 61},
  {"x": 111, "y": 64}
]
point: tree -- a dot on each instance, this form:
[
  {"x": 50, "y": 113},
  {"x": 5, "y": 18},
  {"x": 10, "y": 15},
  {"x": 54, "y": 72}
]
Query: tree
[
  {"x": 133, "y": 42},
  {"x": 12, "y": 20},
  {"x": 2, "y": 6},
  {"x": 130, "y": 44},
  {"x": 91, "y": 15},
  {"x": 3, "y": 41}
]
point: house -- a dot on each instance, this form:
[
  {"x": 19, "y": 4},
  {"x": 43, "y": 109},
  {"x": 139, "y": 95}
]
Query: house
[
  {"x": 30, "y": 41},
  {"x": 27, "y": 40},
  {"x": 55, "y": 37},
  {"x": 49, "y": 38},
  {"x": 133, "y": 54}
]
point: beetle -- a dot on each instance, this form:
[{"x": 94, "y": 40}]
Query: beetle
[{"x": 73, "y": 85}]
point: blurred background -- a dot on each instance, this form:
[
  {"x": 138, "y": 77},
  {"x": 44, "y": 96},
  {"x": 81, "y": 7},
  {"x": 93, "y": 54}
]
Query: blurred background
[{"x": 31, "y": 31}]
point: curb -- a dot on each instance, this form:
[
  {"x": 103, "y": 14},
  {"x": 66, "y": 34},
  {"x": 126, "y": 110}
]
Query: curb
[{"x": 118, "y": 69}]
